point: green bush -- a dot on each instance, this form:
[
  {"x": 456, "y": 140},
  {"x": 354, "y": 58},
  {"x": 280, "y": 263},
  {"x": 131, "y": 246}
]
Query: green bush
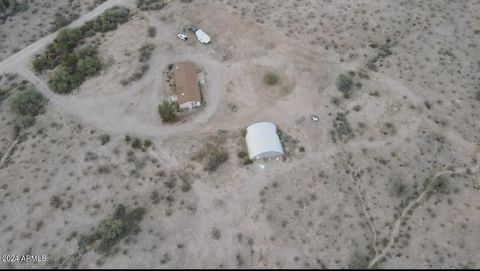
[
  {"x": 10, "y": 8},
  {"x": 104, "y": 139},
  {"x": 60, "y": 20},
  {"x": 28, "y": 103},
  {"x": 88, "y": 66},
  {"x": 345, "y": 84},
  {"x": 247, "y": 161},
  {"x": 147, "y": 143},
  {"x": 167, "y": 111},
  {"x": 109, "y": 20},
  {"x": 137, "y": 143},
  {"x": 23, "y": 122},
  {"x": 359, "y": 261},
  {"x": 85, "y": 61},
  {"x": 399, "y": 189},
  {"x": 43, "y": 62},
  {"x": 242, "y": 154},
  {"x": 75, "y": 69},
  {"x": 441, "y": 185},
  {"x": 110, "y": 229},
  {"x": 151, "y": 4},
  {"x": 152, "y": 32},
  {"x": 62, "y": 81},
  {"x": 146, "y": 52},
  {"x": 216, "y": 158},
  {"x": 67, "y": 40},
  {"x": 271, "y": 78}
]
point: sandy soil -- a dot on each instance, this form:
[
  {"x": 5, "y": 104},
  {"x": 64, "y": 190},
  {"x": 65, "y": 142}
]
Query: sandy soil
[{"x": 336, "y": 205}]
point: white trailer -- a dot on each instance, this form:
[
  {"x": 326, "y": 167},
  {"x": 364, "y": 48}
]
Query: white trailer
[{"x": 202, "y": 36}]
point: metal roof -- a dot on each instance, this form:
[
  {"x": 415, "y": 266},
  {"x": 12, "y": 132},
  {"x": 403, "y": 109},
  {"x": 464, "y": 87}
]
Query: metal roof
[
  {"x": 202, "y": 36},
  {"x": 263, "y": 141},
  {"x": 186, "y": 83}
]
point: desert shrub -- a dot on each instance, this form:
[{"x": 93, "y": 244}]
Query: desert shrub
[
  {"x": 399, "y": 189},
  {"x": 167, "y": 111},
  {"x": 151, "y": 4},
  {"x": 271, "y": 78},
  {"x": 441, "y": 185},
  {"x": 62, "y": 81},
  {"x": 121, "y": 225},
  {"x": 42, "y": 62},
  {"x": 216, "y": 234},
  {"x": 110, "y": 229},
  {"x": 67, "y": 39},
  {"x": 61, "y": 51},
  {"x": 137, "y": 143},
  {"x": 301, "y": 149},
  {"x": 147, "y": 143},
  {"x": 243, "y": 132},
  {"x": 242, "y": 154},
  {"x": 186, "y": 186},
  {"x": 88, "y": 66},
  {"x": 28, "y": 103},
  {"x": 60, "y": 20},
  {"x": 146, "y": 52},
  {"x": 345, "y": 85},
  {"x": 75, "y": 69},
  {"x": 342, "y": 130},
  {"x": 110, "y": 19},
  {"x": 477, "y": 96},
  {"x": 216, "y": 158},
  {"x": 363, "y": 75},
  {"x": 127, "y": 138},
  {"x": 56, "y": 202},
  {"x": 152, "y": 32},
  {"x": 11, "y": 7},
  {"x": 104, "y": 139},
  {"x": 23, "y": 122},
  {"x": 247, "y": 161},
  {"x": 358, "y": 262}
]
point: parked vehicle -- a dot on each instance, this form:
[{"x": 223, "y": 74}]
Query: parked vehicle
[{"x": 182, "y": 36}]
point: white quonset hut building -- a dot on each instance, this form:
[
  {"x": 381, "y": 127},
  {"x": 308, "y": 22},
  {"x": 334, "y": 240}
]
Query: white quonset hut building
[{"x": 263, "y": 141}]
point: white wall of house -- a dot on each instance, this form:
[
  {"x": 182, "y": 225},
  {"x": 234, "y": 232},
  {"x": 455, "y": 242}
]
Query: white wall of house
[{"x": 190, "y": 105}]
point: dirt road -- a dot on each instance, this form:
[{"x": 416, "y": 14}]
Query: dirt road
[
  {"x": 22, "y": 57},
  {"x": 108, "y": 112}
]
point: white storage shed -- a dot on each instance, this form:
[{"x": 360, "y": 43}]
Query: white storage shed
[
  {"x": 202, "y": 36},
  {"x": 263, "y": 141}
]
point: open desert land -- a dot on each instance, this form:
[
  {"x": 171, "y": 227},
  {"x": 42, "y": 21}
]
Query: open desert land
[
  {"x": 389, "y": 177},
  {"x": 34, "y": 19}
]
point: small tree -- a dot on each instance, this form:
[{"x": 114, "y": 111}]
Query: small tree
[
  {"x": 345, "y": 85},
  {"x": 62, "y": 81},
  {"x": 137, "y": 143},
  {"x": 28, "y": 103},
  {"x": 441, "y": 185},
  {"x": 167, "y": 111},
  {"x": 215, "y": 159},
  {"x": 271, "y": 78},
  {"x": 110, "y": 229}
]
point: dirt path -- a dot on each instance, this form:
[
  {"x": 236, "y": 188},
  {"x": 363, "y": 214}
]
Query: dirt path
[
  {"x": 109, "y": 112},
  {"x": 24, "y": 55},
  {"x": 403, "y": 214}
]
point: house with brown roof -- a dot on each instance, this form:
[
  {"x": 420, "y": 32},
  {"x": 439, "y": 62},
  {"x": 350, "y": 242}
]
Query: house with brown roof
[{"x": 187, "y": 86}]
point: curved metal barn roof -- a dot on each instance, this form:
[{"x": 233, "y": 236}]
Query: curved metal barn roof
[{"x": 263, "y": 141}]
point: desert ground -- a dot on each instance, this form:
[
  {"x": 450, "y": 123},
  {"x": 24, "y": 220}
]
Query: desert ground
[{"x": 389, "y": 177}]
